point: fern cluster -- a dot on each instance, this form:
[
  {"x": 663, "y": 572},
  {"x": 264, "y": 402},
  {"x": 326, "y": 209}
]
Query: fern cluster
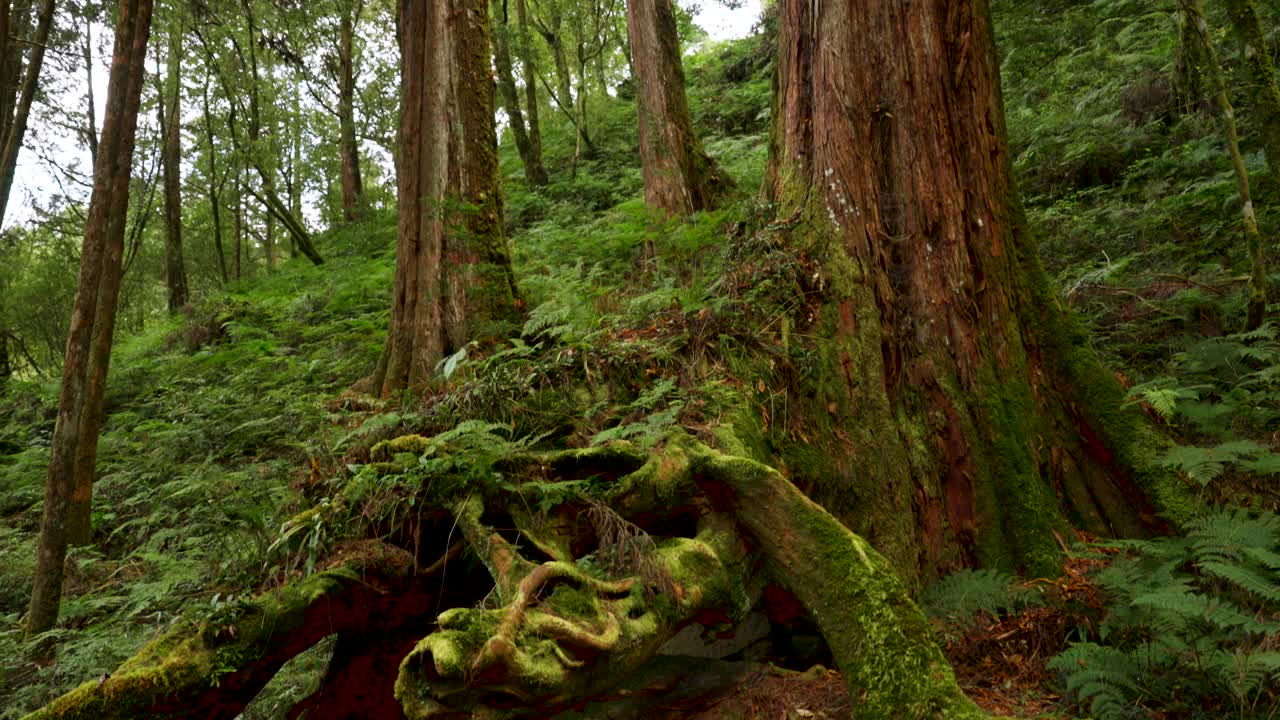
[
  {"x": 959, "y": 600},
  {"x": 1192, "y": 626},
  {"x": 1224, "y": 394}
]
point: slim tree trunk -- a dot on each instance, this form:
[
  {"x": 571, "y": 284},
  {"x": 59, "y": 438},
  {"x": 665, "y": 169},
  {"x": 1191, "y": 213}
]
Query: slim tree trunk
[
  {"x": 1266, "y": 93},
  {"x": 538, "y": 177},
  {"x": 6, "y": 366},
  {"x": 17, "y": 17},
  {"x": 98, "y": 282},
  {"x": 90, "y": 108},
  {"x": 348, "y": 146},
  {"x": 214, "y": 189},
  {"x": 30, "y": 82},
  {"x": 535, "y": 174},
  {"x": 957, "y": 394},
  {"x": 238, "y": 228},
  {"x": 295, "y": 162},
  {"x": 679, "y": 176},
  {"x": 1194, "y": 17},
  {"x": 453, "y": 270},
  {"x": 171, "y": 132},
  {"x": 269, "y": 197}
]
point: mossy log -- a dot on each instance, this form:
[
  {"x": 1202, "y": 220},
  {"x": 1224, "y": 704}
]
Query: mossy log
[
  {"x": 211, "y": 666},
  {"x": 584, "y": 593}
]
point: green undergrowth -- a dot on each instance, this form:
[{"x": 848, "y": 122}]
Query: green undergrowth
[
  {"x": 1130, "y": 189},
  {"x": 214, "y": 420},
  {"x": 1192, "y": 627}
]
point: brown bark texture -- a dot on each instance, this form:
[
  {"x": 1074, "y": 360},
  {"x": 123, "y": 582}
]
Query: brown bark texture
[
  {"x": 348, "y": 147},
  {"x": 453, "y": 279},
  {"x": 958, "y": 417},
  {"x": 93, "y": 314},
  {"x": 679, "y": 177},
  {"x": 170, "y": 113}
]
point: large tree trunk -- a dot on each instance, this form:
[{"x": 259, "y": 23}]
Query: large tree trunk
[
  {"x": 953, "y": 394},
  {"x": 679, "y": 177},
  {"x": 1193, "y": 16},
  {"x": 98, "y": 283},
  {"x": 17, "y": 130},
  {"x": 535, "y": 175},
  {"x": 171, "y": 158},
  {"x": 349, "y": 147},
  {"x": 1266, "y": 93},
  {"x": 453, "y": 269}
]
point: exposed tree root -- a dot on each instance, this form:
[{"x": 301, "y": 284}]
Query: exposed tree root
[
  {"x": 586, "y": 590},
  {"x": 211, "y": 667}
]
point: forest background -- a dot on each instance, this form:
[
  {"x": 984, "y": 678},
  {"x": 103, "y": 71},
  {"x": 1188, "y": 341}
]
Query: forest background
[{"x": 228, "y": 410}]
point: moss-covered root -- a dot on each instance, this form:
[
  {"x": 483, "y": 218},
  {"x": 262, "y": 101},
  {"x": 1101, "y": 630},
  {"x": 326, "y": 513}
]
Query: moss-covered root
[
  {"x": 880, "y": 638},
  {"x": 566, "y": 635},
  {"x": 211, "y": 667}
]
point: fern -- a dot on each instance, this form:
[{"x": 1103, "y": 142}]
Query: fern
[{"x": 1197, "y": 616}]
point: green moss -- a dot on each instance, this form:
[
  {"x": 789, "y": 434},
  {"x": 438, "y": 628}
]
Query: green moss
[
  {"x": 572, "y": 602},
  {"x": 881, "y": 640},
  {"x": 413, "y": 444}
]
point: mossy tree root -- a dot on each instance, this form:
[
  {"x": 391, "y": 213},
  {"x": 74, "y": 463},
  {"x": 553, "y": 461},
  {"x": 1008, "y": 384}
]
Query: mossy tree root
[{"x": 212, "y": 667}]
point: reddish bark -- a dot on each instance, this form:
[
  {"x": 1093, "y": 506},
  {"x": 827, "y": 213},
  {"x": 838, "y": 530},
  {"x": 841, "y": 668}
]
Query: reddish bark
[
  {"x": 93, "y": 314},
  {"x": 961, "y": 377},
  {"x": 453, "y": 270},
  {"x": 679, "y": 176},
  {"x": 171, "y": 159}
]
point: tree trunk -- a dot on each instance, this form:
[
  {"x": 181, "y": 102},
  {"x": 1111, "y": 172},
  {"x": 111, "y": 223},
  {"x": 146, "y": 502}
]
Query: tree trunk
[
  {"x": 952, "y": 394},
  {"x": 538, "y": 177},
  {"x": 348, "y": 146},
  {"x": 453, "y": 268},
  {"x": 554, "y": 36},
  {"x": 679, "y": 177},
  {"x": 238, "y": 226},
  {"x": 171, "y": 134},
  {"x": 6, "y": 366},
  {"x": 1194, "y": 17},
  {"x": 18, "y": 20},
  {"x": 269, "y": 238},
  {"x": 1266, "y": 93},
  {"x": 535, "y": 175},
  {"x": 214, "y": 189},
  {"x": 30, "y": 83},
  {"x": 90, "y": 108},
  {"x": 295, "y": 163},
  {"x": 269, "y": 197},
  {"x": 98, "y": 283}
]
